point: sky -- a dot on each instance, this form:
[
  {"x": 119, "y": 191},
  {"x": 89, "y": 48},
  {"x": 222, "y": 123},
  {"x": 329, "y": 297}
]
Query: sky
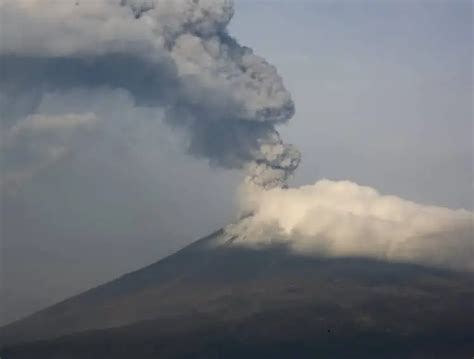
[
  {"x": 383, "y": 91},
  {"x": 383, "y": 96}
]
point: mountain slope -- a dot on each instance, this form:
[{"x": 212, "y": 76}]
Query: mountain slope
[{"x": 214, "y": 293}]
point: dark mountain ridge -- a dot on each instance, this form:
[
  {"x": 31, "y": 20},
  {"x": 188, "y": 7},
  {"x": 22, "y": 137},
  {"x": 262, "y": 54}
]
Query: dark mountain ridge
[{"x": 215, "y": 299}]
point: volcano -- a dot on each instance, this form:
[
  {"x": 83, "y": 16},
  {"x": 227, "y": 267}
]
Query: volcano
[{"x": 214, "y": 299}]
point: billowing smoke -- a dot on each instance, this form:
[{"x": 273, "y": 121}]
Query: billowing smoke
[
  {"x": 176, "y": 55},
  {"x": 171, "y": 54},
  {"x": 343, "y": 219}
]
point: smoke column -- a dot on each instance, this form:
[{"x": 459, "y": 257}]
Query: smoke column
[
  {"x": 176, "y": 55},
  {"x": 171, "y": 54}
]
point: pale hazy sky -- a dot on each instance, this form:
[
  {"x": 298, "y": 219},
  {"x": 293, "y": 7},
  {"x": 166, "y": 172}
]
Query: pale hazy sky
[
  {"x": 383, "y": 90},
  {"x": 383, "y": 94}
]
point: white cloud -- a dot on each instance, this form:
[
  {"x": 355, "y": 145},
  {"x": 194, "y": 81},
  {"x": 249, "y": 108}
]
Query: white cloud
[{"x": 338, "y": 219}]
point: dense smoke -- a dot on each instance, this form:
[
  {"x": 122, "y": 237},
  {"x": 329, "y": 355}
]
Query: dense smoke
[
  {"x": 176, "y": 55},
  {"x": 172, "y": 54},
  {"x": 343, "y": 219}
]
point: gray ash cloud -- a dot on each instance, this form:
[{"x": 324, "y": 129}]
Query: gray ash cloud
[{"x": 175, "y": 55}]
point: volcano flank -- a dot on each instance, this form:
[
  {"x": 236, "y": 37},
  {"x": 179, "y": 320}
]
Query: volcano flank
[{"x": 214, "y": 299}]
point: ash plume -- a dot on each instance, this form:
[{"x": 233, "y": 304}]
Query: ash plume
[
  {"x": 37, "y": 141},
  {"x": 176, "y": 55},
  {"x": 171, "y": 54},
  {"x": 344, "y": 219}
]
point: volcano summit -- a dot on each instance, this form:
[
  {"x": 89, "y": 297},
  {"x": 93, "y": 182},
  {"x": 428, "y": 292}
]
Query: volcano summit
[
  {"x": 215, "y": 299},
  {"x": 327, "y": 270}
]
